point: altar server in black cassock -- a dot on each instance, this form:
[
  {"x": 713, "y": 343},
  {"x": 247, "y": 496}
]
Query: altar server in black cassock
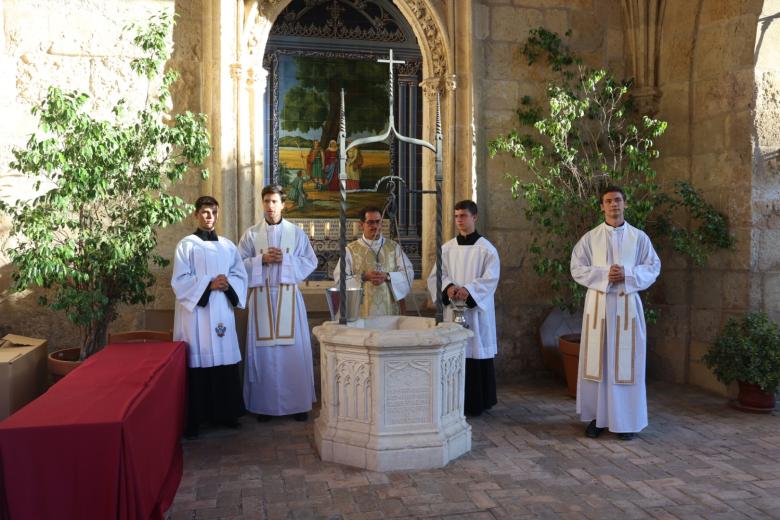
[
  {"x": 470, "y": 273},
  {"x": 209, "y": 281}
]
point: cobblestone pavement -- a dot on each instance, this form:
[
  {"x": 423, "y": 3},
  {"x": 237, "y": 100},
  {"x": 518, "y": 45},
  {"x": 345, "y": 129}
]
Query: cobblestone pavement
[{"x": 530, "y": 459}]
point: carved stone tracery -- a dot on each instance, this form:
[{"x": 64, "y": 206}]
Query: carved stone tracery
[
  {"x": 433, "y": 36},
  {"x": 423, "y": 18},
  {"x": 370, "y": 21},
  {"x": 451, "y": 372},
  {"x": 352, "y": 394},
  {"x": 438, "y": 85}
]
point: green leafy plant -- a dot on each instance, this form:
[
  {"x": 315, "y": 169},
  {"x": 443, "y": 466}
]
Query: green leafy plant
[
  {"x": 747, "y": 350},
  {"x": 91, "y": 237},
  {"x": 587, "y": 136}
]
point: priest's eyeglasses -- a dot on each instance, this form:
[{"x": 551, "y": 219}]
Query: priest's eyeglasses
[{"x": 373, "y": 222}]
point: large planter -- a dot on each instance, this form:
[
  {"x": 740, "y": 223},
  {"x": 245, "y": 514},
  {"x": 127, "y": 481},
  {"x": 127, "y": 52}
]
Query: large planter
[
  {"x": 569, "y": 345},
  {"x": 558, "y": 323},
  {"x": 752, "y": 399},
  {"x": 63, "y": 362}
]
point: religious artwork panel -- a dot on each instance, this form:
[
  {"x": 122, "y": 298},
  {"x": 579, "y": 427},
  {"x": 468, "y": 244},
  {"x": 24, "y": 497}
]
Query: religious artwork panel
[{"x": 307, "y": 126}]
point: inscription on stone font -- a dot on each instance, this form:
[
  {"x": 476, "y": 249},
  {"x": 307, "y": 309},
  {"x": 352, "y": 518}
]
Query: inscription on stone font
[{"x": 408, "y": 393}]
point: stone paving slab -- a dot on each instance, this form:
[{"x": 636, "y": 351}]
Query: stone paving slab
[{"x": 698, "y": 459}]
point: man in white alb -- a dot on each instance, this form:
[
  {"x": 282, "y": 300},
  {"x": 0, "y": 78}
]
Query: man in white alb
[
  {"x": 470, "y": 272},
  {"x": 278, "y": 375},
  {"x": 209, "y": 280},
  {"x": 614, "y": 261},
  {"x": 379, "y": 266}
]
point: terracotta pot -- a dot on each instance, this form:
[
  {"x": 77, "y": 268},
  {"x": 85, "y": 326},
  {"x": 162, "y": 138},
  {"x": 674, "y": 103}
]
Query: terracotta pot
[
  {"x": 62, "y": 362},
  {"x": 556, "y": 324},
  {"x": 569, "y": 344},
  {"x": 752, "y": 399}
]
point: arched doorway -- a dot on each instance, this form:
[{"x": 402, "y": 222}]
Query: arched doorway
[
  {"x": 314, "y": 50},
  {"x": 235, "y": 38}
]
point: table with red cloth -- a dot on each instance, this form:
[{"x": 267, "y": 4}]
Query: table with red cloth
[{"x": 102, "y": 443}]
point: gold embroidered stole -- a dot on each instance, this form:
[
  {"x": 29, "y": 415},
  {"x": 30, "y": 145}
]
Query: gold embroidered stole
[
  {"x": 270, "y": 332},
  {"x": 595, "y": 334},
  {"x": 378, "y": 300}
]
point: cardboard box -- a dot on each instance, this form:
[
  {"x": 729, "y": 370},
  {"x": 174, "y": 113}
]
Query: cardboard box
[{"x": 22, "y": 372}]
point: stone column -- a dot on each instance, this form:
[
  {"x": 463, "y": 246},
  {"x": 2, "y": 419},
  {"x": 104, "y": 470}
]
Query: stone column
[
  {"x": 257, "y": 80},
  {"x": 431, "y": 87},
  {"x": 643, "y": 23},
  {"x": 459, "y": 24},
  {"x": 232, "y": 169},
  {"x": 220, "y": 87}
]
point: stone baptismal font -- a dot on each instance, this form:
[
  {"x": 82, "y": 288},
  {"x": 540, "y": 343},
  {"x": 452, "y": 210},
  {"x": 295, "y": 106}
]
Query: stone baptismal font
[{"x": 392, "y": 393}]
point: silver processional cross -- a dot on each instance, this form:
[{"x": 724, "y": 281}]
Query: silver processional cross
[{"x": 436, "y": 148}]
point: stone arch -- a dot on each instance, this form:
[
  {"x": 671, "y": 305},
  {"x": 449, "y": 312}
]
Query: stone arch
[{"x": 237, "y": 120}]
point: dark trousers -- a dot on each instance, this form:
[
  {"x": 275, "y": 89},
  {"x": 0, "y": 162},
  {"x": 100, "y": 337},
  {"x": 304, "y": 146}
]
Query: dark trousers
[
  {"x": 480, "y": 386},
  {"x": 214, "y": 395}
]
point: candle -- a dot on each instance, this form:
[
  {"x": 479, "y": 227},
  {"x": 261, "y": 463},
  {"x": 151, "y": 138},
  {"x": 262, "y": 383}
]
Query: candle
[
  {"x": 311, "y": 230},
  {"x": 354, "y": 228},
  {"x": 327, "y": 229}
]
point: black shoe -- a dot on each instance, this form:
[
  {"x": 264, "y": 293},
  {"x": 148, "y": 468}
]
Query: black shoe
[
  {"x": 626, "y": 436},
  {"x": 301, "y": 417},
  {"x": 592, "y": 431},
  {"x": 261, "y": 417}
]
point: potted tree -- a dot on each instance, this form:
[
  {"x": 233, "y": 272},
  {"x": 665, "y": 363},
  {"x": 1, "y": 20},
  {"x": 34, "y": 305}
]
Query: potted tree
[
  {"x": 585, "y": 136},
  {"x": 88, "y": 238},
  {"x": 747, "y": 351}
]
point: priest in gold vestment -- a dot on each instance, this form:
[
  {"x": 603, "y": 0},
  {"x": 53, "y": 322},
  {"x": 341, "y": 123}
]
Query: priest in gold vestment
[{"x": 379, "y": 266}]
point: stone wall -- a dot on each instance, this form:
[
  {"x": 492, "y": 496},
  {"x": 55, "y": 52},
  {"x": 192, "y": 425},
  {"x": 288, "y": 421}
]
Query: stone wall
[
  {"x": 707, "y": 96},
  {"x": 765, "y": 142},
  {"x": 78, "y": 45},
  {"x": 502, "y": 78}
]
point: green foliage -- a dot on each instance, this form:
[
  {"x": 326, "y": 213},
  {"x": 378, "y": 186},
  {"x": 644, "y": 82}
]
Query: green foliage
[
  {"x": 90, "y": 239},
  {"x": 747, "y": 350},
  {"x": 588, "y": 136}
]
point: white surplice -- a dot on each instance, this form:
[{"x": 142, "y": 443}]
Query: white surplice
[
  {"x": 477, "y": 268},
  {"x": 279, "y": 379},
  {"x": 400, "y": 278},
  {"x": 195, "y": 264},
  {"x": 622, "y": 408}
]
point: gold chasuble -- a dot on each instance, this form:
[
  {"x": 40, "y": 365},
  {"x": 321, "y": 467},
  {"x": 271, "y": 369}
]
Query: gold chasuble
[
  {"x": 378, "y": 300},
  {"x": 275, "y": 320},
  {"x": 595, "y": 336}
]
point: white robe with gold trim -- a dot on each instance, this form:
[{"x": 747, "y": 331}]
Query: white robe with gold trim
[
  {"x": 279, "y": 380},
  {"x": 619, "y": 407}
]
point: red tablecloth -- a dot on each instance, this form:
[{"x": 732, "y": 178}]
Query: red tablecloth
[{"x": 102, "y": 443}]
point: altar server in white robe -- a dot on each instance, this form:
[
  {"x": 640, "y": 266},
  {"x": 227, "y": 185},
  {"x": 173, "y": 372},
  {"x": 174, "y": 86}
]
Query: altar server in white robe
[
  {"x": 278, "y": 374},
  {"x": 379, "y": 266},
  {"x": 470, "y": 273},
  {"x": 209, "y": 280},
  {"x": 614, "y": 261}
]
